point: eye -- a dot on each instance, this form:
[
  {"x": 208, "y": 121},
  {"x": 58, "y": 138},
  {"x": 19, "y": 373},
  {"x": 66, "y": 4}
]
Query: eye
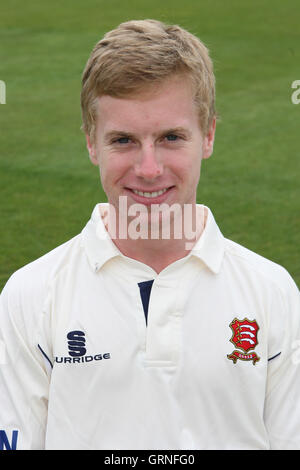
[
  {"x": 172, "y": 137},
  {"x": 121, "y": 140}
]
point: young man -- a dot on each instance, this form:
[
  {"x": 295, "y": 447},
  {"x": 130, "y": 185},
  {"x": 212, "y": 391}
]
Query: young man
[{"x": 150, "y": 330}]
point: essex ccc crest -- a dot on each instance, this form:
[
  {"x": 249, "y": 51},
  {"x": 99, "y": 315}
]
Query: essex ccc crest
[{"x": 244, "y": 337}]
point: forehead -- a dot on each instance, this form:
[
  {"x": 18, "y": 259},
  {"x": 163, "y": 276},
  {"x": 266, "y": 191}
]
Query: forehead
[{"x": 170, "y": 104}]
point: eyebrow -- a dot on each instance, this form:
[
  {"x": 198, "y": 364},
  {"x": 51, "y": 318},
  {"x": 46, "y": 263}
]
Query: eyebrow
[{"x": 118, "y": 133}]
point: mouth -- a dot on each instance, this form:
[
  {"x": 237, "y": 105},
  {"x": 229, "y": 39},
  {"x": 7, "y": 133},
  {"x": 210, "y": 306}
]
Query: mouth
[
  {"x": 154, "y": 197},
  {"x": 150, "y": 194}
]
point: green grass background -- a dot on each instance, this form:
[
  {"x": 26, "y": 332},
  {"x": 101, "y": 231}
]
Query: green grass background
[{"x": 48, "y": 187}]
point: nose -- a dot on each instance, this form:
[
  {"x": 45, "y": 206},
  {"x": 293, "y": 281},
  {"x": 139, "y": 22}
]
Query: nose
[{"x": 148, "y": 165}]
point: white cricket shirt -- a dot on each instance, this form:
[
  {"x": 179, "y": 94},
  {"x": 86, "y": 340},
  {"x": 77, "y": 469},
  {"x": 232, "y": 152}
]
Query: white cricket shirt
[{"x": 214, "y": 367}]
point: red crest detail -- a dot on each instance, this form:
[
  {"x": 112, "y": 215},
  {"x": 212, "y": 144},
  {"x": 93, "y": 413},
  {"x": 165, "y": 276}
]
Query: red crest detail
[{"x": 244, "y": 334}]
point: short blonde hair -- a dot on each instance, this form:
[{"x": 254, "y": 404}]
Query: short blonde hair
[{"x": 138, "y": 54}]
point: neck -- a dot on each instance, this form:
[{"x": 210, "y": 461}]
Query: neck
[{"x": 159, "y": 245}]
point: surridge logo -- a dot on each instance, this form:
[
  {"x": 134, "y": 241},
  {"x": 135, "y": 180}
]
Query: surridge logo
[
  {"x": 77, "y": 350},
  {"x": 76, "y": 343}
]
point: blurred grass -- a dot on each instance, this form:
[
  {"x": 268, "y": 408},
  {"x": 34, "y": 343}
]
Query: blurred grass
[{"x": 251, "y": 183}]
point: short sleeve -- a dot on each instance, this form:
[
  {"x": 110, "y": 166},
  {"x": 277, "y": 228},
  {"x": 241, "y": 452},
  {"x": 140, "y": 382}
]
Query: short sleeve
[
  {"x": 24, "y": 381},
  {"x": 282, "y": 404}
]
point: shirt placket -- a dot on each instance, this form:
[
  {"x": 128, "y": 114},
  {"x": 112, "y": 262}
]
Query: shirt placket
[{"x": 163, "y": 333}]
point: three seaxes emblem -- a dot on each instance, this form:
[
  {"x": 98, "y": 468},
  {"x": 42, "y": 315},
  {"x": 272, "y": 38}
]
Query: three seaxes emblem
[{"x": 244, "y": 337}]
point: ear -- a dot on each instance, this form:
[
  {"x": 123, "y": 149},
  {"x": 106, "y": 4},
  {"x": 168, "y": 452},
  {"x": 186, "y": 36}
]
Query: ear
[
  {"x": 91, "y": 149},
  {"x": 208, "y": 142}
]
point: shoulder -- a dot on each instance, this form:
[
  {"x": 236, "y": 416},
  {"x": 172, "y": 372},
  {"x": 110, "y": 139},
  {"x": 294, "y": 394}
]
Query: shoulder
[
  {"x": 29, "y": 284},
  {"x": 24, "y": 298},
  {"x": 254, "y": 266}
]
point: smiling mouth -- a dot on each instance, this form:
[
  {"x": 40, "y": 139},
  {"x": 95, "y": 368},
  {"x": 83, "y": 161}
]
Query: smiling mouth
[{"x": 150, "y": 194}]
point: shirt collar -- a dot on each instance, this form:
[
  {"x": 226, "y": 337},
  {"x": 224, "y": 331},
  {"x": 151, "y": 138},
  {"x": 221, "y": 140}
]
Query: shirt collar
[
  {"x": 97, "y": 243},
  {"x": 211, "y": 245},
  {"x": 100, "y": 248}
]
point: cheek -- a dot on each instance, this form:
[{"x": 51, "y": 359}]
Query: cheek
[
  {"x": 188, "y": 167},
  {"x": 112, "y": 168}
]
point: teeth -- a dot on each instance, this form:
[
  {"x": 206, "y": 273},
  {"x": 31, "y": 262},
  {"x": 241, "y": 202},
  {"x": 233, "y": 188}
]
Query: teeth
[{"x": 153, "y": 194}]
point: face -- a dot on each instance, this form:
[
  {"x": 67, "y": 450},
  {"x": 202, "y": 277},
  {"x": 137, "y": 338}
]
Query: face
[{"x": 149, "y": 147}]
